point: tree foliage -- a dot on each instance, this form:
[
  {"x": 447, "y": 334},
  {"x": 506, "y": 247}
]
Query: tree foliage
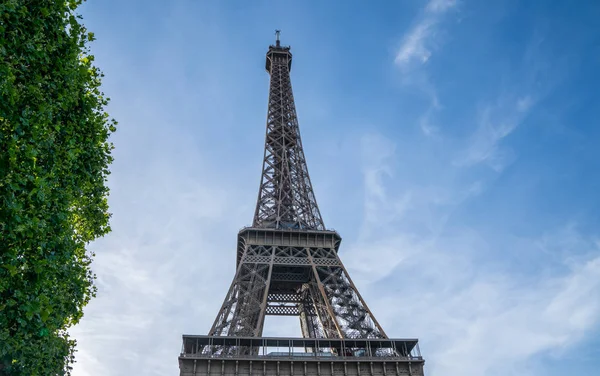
[{"x": 54, "y": 157}]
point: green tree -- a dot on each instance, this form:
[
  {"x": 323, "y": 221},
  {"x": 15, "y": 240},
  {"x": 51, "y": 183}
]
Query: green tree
[{"x": 54, "y": 158}]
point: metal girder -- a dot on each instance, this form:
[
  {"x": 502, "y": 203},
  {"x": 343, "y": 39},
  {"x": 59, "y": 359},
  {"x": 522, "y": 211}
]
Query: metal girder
[
  {"x": 286, "y": 310},
  {"x": 326, "y": 300}
]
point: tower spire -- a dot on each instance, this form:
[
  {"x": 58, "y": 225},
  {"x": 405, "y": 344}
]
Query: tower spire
[
  {"x": 277, "y": 33},
  {"x": 286, "y": 199}
]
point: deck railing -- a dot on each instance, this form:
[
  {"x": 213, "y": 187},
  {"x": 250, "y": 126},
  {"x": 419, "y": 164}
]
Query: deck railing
[{"x": 279, "y": 348}]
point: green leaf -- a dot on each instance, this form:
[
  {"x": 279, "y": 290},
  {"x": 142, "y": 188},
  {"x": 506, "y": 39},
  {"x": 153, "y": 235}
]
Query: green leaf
[{"x": 12, "y": 270}]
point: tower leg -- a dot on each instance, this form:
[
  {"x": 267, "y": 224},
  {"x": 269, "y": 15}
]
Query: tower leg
[
  {"x": 243, "y": 311},
  {"x": 342, "y": 302},
  {"x": 327, "y": 301}
]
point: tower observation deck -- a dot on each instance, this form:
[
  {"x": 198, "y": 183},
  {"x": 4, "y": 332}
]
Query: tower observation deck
[{"x": 287, "y": 264}]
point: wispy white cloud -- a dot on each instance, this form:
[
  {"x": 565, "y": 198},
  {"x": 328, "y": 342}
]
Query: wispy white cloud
[
  {"x": 172, "y": 209},
  {"x": 152, "y": 279},
  {"x": 493, "y": 319},
  {"x": 497, "y": 321},
  {"x": 417, "y": 47},
  {"x": 509, "y": 107},
  {"x": 439, "y": 6},
  {"x": 414, "y": 48},
  {"x": 418, "y": 42},
  {"x": 494, "y": 123},
  {"x": 460, "y": 304},
  {"x": 426, "y": 122}
]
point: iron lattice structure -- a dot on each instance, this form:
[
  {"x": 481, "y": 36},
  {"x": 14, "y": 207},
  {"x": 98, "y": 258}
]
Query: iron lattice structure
[{"x": 287, "y": 262}]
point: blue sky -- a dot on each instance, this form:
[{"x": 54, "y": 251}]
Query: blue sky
[{"x": 453, "y": 144}]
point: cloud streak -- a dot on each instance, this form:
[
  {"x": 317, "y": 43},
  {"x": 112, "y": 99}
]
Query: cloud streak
[
  {"x": 495, "y": 122},
  {"x": 460, "y": 305},
  {"x": 153, "y": 284},
  {"x": 417, "y": 44},
  {"x": 416, "y": 48}
]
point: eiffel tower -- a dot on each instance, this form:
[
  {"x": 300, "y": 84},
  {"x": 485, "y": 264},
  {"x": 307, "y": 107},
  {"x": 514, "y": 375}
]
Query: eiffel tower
[{"x": 288, "y": 264}]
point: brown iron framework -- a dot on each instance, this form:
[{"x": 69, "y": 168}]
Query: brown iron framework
[
  {"x": 287, "y": 261},
  {"x": 294, "y": 272}
]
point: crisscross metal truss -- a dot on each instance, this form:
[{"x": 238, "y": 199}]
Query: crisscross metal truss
[
  {"x": 309, "y": 282},
  {"x": 286, "y": 199},
  {"x": 287, "y": 263}
]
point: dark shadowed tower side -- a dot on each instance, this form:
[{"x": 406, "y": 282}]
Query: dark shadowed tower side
[{"x": 288, "y": 264}]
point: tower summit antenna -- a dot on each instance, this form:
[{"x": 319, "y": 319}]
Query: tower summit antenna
[{"x": 277, "y": 33}]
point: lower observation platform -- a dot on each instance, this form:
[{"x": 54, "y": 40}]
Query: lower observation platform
[{"x": 261, "y": 356}]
